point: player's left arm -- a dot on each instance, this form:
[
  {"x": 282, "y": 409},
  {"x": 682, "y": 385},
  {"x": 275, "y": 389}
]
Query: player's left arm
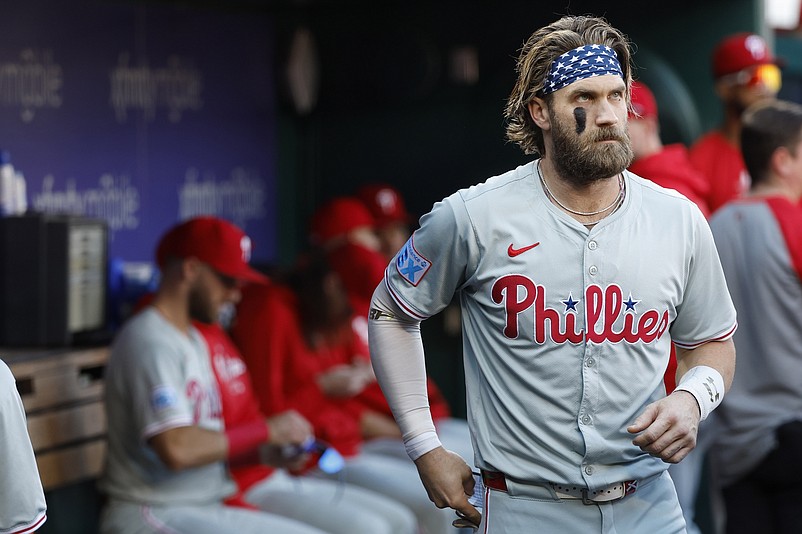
[{"x": 667, "y": 428}]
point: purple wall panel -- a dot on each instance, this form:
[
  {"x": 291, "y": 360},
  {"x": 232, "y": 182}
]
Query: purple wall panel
[{"x": 141, "y": 115}]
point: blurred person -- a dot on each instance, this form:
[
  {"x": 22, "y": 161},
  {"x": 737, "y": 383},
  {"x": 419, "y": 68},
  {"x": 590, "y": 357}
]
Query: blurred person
[
  {"x": 322, "y": 503},
  {"x": 665, "y": 165},
  {"x": 345, "y": 230},
  {"x": 759, "y": 435},
  {"x": 391, "y": 220},
  {"x": 22, "y": 501},
  {"x": 744, "y": 71},
  {"x": 300, "y": 348},
  {"x": 167, "y": 447},
  {"x": 574, "y": 278}
]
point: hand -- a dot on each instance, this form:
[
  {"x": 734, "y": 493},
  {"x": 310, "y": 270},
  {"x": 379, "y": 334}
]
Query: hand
[
  {"x": 344, "y": 380},
  {"x": 277, "y": 457},
  {"x": 449, "y": 482},
  {"x": 668, "y": 427},
  {"x": 288, "y": 428}
]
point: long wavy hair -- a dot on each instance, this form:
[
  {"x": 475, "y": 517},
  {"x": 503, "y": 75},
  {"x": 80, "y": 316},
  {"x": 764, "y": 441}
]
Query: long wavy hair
[{"x": 533, "y": 64}]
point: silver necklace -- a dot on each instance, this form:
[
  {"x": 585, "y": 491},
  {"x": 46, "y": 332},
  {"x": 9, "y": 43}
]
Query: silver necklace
[{"x": 616, "y": 202}]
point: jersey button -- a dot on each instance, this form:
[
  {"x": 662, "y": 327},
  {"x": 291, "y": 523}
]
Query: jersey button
[
  {"x": 589, "y": 469},
  {"x": 592, "y": 245},
  {"x": 593, "y": 270},
  {"x": 590, "y": 362},
  {"x": 585, "y": 419}
]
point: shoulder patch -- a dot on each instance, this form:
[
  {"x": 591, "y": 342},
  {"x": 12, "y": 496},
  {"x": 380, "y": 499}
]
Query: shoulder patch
[
  {"x": 162, "y": 398},
  {"x": 410, "y": 264}
]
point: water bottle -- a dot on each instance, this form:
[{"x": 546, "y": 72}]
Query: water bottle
[
  {"x": 8, "y": 185},
  {"x": 20, "y": 194}
]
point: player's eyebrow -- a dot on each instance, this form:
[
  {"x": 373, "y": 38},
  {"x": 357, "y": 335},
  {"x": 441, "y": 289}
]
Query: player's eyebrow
[{"x": 574, "y": 91}]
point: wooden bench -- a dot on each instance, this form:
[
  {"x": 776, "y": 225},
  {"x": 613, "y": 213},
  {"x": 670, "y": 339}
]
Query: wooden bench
[{"x": 62, "y": 391}]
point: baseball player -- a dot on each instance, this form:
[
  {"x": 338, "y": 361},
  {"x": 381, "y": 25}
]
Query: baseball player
[
  {"x": 165, "y": 469},
  {"x": 22, "y": 501},
  {"x": 756, "y": 453},
  {"x": 574, "y": 276},
  {"x": 745, "y": 72}
]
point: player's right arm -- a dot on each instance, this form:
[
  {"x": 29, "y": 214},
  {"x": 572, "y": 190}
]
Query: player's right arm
[
  {"x": 185, "y": 447},
  {"x": 397, "y": 354},
  {"x": 189, "y": 446}
]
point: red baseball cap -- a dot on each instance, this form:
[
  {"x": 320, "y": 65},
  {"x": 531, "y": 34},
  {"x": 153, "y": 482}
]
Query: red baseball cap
[
  {"x": 385, "y": 203},
  {"x": 214, "y": 241},
  {"x": 740, "y": 51},
  {"x": 337, "y": 217},
  {"x": 644, "y": 104}
]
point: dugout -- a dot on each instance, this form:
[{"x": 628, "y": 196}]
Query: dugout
[{"x": 409, "y": 93}]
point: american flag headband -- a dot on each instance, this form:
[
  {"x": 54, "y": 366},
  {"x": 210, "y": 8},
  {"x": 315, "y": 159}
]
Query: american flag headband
[{"x": 580, "y": 63}]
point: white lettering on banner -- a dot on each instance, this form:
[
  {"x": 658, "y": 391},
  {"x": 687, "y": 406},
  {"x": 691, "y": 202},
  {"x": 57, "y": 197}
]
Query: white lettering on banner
[
  {"x": 240, "y": 198},
  {"x": 177, "y": 87},
  {"x": 116, "y": 201},
  {"x": 33, "y": 83}
]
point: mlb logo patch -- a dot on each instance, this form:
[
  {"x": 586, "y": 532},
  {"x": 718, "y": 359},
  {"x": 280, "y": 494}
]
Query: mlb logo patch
[
  {"x": 162, "y": 398},
  {"x": 411, "y": 265}
]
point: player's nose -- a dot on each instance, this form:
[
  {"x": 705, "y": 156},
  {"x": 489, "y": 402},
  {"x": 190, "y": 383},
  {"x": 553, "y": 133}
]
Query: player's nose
[{"x": 606, "y": 113}]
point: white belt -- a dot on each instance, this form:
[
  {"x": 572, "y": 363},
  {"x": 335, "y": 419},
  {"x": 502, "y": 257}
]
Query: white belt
[{"x": 609, "y": 493}]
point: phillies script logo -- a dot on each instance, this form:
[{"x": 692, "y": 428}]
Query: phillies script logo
[
  {"x": 603, "y": 307},
  {"x": 203, "y": 400}
]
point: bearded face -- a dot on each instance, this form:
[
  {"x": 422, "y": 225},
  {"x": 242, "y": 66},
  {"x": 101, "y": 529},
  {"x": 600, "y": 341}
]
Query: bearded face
[{"x": 583, "y": 158}]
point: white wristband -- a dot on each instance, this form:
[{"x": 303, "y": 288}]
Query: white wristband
[
  {"x": 706, "y": 385},
  {"x": 421, "y": 444}
]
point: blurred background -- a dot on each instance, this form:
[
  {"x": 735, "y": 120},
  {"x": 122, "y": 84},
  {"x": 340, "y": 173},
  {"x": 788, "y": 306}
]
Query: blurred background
[
  {"x": 142, "y": 113},
  {"x": 139, "y": 114}
]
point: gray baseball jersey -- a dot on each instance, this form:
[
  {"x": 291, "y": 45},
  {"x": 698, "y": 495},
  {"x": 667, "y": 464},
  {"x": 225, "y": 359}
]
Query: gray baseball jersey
[
  {"x": 22, "y": 501},
  {"x": 158, "y": 378},
  {"x": 761, "y": 252},
  {"x": 566, "y": 331}
]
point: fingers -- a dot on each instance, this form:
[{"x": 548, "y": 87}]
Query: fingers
[
  {"x": 469, "y": 514},
  {"x": 288, "y": 428},
  {"x": 668, "y": 429},
  {"x": 644, "y": 420}
]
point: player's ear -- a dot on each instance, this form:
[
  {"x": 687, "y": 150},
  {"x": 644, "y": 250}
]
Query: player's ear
[
  {"x": 782, "y": 162},
  {"x": 539, "y": 112},
  {"x": 190, "y": 268}
]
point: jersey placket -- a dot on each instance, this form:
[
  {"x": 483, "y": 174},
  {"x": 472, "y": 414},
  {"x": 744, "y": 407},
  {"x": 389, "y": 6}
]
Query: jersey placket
[{"x": 591, "y": 376}]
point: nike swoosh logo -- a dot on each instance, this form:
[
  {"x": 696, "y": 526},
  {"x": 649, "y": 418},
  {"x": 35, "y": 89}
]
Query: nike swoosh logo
[{"x": 512, "y": 251}]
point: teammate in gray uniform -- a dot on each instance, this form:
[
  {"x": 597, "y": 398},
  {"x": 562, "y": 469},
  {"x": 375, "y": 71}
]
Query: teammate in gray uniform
[
  {"x": 22, "y": 501},
  {"x": 574, "y": 276},
  {"x": 165, "y": 468},
  {"x": 759, "y": 437}
]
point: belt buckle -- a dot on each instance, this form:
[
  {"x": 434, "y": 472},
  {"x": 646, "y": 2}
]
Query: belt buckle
[{"x": 621, "y": 489}]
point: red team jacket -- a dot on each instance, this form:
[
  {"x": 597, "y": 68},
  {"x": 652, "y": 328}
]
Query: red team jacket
[
  {"x": 284, "y": 369},
  {"x": 723, "y": 166},
  {"x": 672, "y": 168}
]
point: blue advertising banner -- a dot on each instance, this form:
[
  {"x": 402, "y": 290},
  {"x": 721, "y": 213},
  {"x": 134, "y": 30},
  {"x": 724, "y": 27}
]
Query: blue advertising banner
[{"x": 142, "y": 115}]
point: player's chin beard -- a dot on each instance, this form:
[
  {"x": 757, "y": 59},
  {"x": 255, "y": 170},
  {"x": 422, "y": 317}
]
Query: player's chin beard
[
  {"x": 200, "y": 309},
  {"x": 580, "y": 159}
]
